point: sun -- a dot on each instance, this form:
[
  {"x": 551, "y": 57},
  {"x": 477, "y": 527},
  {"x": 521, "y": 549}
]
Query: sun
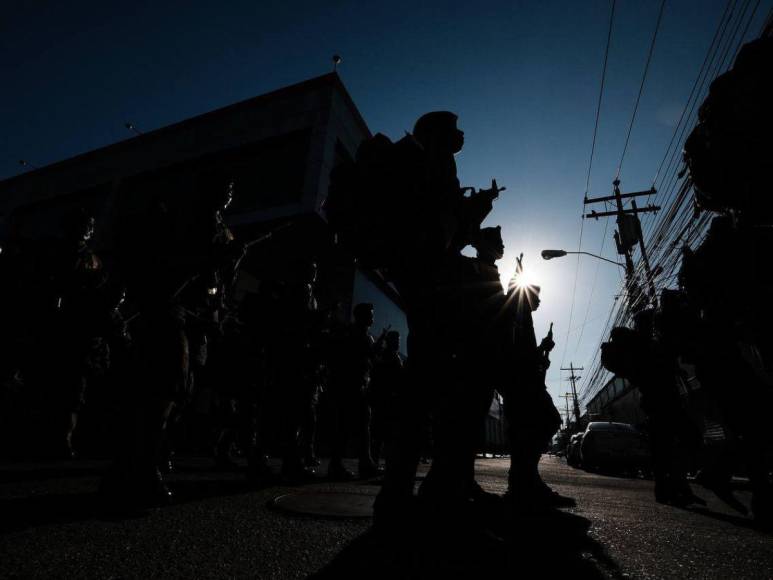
[
  {"x": 525, "y": 278},
  {"x": 521, "y": 279}
]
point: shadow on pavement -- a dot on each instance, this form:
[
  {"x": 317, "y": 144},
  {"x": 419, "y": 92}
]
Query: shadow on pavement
[
  {"x": 44, "y": 473},
  {"x": 58, "y": 508},
  {"x": 551, "y": 546},
  {"x": 736, "y": 520}
]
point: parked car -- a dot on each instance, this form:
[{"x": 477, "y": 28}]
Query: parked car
[
  {"x": 617, "y": 447},
  {"x": 573, "y": 450}
]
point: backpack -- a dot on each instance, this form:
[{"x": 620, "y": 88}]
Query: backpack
[{"x": 368, "y": 200}]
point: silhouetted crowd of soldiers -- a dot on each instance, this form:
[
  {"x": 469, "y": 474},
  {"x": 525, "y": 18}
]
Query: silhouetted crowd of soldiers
[
  {"x": 152, "y": 347},
  {"x": 147, "y": 334},
  {"x": 718, "y": 320},
  {"x": 399, "y": 207},
  {"x": 151, "y": 337}
]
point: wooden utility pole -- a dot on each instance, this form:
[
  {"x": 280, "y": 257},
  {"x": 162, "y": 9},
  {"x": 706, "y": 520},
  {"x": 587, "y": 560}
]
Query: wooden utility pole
[
  {"x": 574, "y": 378},
  {"x": 567, "y": 414},
  {"x": 629, "y": 234}
]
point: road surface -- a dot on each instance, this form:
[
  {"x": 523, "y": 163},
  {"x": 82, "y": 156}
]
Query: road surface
[{"x": 52, "y": 526}]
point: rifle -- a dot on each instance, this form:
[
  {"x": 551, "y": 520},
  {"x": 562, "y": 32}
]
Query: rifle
[
  {"x": 475, "y": 208},
  {"x": 260, "y": 239},
  {"x": 525, "y": 338}
]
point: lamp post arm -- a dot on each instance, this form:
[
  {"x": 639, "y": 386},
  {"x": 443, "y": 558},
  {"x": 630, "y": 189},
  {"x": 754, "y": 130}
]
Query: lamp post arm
[{"x": 600, "y": 258}]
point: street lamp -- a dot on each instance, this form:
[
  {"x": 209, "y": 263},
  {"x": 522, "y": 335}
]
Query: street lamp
[{"x": 550, "y": 254}]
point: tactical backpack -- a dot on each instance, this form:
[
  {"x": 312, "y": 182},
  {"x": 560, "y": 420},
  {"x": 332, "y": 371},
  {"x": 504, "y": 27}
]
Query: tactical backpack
[
  {"x": 623, "y": 353},
  {"x": 368, "y": 200}
]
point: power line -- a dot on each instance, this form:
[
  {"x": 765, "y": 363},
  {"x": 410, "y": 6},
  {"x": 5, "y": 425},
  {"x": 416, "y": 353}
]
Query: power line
[
  {"x": 587, "y": 180},
  {"x": 680, "y": 225},
  {"x": 593, "y": 285},
  {"x": 678, "y": 218},
  {"x": 601, "y": 93},
  {"x": 574, "y": 290},
  {"x": 668, "y": 183},
  {"x": 618, "y": 197},
  {"x": 692, "y": 92},
  {"x": 748, "y": 23},
  {"x": 641, "y": 87}
]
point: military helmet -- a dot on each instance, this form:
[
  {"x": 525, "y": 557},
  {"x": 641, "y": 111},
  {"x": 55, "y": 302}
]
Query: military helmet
[
  {"x": 215, "y": 187},
  {"x": 489, "y": 239},
  {"x": 436, "y": 122}
]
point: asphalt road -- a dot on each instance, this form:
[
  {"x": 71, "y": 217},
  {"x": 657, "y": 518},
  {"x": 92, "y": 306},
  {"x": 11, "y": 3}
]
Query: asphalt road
[{"x": 52, "y": 526}]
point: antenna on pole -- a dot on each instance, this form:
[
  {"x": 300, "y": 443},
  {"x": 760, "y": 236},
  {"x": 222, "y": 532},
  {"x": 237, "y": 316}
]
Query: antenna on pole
[
  {"x": 129, "y": 125},
  {"x": 336, "y": 61}
]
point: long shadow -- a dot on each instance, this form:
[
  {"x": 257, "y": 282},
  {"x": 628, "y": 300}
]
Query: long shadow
[
  {"x": 737, "y": 520},
  {"x": 50, "y": 472},
  {"x": 59, "y": 508},
  {"x": 551, "y": 546}
]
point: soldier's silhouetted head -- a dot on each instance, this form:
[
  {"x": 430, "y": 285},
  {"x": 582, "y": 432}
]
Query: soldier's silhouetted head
[
  {"x": 310, "y": 271},
  {"x": 363, "y": 314},
  {"x": 438, "y": 130},
  {"x": 644, "y": 321},
  {"x": 489, "y": 244},
  {"x": 393, "y": 340},
  {"x": 80, "y": 226},
  {"x": 215, "y": 188}
]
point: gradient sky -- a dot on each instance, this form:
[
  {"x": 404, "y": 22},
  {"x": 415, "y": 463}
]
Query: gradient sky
[{"x": 523, "y": 77}]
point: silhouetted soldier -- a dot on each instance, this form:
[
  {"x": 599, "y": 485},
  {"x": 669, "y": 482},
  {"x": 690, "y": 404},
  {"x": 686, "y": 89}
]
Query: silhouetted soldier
[
  {"x": 386, "y": 393},
  {"x": 399, "y": 207},
  {"x": 634, "y": 354},
  {"x": 728, "y": 155},
  {"x": 161, "y": 255},
  {"x": 483, "y": 326},
  {"x": 85, "y": 306},
  {"x": 427, "y": 270},
  {"x": 531, "y": 416},
  {"x": 296, "y": 362},
  {"x": 25, "y": 311},
  {"x": 350, "y": 366}
]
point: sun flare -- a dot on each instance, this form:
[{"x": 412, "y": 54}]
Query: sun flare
[{"x": 522, "y": 279}]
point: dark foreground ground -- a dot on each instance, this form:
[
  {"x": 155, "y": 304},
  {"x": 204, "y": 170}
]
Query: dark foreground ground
[{"x": 51, "y": 525}]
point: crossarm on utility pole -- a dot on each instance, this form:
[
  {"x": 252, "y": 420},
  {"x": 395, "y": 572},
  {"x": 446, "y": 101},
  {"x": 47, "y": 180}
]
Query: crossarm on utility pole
[
  {"x": 596, "y": 215},
  {"x": 622, "y": 196}
]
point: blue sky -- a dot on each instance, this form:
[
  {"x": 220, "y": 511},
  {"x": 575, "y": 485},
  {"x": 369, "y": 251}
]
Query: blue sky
[{"x": 523, "y": 77}]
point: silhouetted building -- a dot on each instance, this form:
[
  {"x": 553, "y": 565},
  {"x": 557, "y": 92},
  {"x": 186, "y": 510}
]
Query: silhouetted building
[{"x": 278, "y": 147}]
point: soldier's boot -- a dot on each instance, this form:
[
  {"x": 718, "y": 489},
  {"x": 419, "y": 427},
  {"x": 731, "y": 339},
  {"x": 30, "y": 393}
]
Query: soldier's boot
[
  {"x": 134, "y": 483},
  {"x": 551, "y": 497},
  {"x": 67, "y": 450},
  {"x": 367, "y": 468},
  {"x": 762, "y": 493},
  {"x": 223, "y": 461},
  {"x": 675, "y": 491},
  {"x": 148, "y": 486},
  {"x": 294, "y": 472},
  {"x": 152, "y": 490},
  {"x": 527, "y": 492},
  {"x": 762, "y": 509},
  {"x": 337, "y": 471},
  {"x": 258, "y": 468},
  {"x": 395, "y": 512},
  {"x": 521, "y": 498},
  {"x": 486, "y": 504},
  {"x": 719, "y": 483}
]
